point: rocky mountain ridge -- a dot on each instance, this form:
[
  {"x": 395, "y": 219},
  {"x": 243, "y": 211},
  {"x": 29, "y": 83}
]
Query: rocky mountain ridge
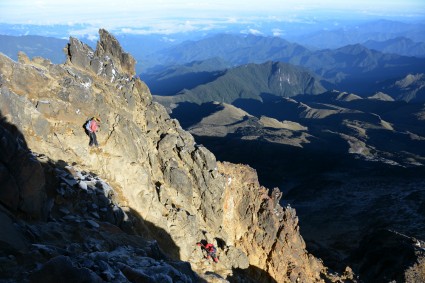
[{"x": 176, "y": 188}]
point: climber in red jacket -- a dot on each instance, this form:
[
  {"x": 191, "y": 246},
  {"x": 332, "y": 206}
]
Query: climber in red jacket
[{"x": 210, "y": 249}]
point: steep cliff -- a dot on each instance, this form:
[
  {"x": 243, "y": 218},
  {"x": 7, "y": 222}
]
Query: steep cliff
[{"x": 177, "y": 189}]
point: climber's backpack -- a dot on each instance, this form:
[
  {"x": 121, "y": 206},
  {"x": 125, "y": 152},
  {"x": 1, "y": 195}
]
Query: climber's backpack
[{"x": 87, "y": 124}]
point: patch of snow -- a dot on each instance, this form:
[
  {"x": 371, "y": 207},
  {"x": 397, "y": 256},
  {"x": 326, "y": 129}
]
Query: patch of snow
[{"x": 86, "y": 85}]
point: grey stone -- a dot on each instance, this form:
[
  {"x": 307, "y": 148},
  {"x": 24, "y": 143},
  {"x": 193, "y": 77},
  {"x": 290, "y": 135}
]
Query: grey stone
[
  {"x": 64, "y": 210},
  {"x": 71, "y": 182},
  {"x": 204, "y": 158},
  {"x": 95, "y": 214},
  {"x": 61, "y": 269},
  {"x": 93, "y": 224},
  {"x": 179, "y": 180},
  {"x": 79, "y": 53},
  {"x": 134, "y": 275},
  {"x": 11, "y": 239}
]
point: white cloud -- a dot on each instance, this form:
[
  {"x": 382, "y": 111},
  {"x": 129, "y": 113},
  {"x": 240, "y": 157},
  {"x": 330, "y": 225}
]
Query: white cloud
[
  {"x": 167, "y": 39},
  {"x": 232, "y": 20},
  {"x": 277, "y": 32},
  {"x": 169, "y": 16},
  {"x": 252, "y": 31},
  {"x": 91, "y": 33}
]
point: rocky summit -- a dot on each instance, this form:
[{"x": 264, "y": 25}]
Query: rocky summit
[{"x": 132, "y": 209}]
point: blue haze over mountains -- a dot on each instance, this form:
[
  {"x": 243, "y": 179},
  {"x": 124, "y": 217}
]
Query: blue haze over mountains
[{"x": 310, "y": 34}]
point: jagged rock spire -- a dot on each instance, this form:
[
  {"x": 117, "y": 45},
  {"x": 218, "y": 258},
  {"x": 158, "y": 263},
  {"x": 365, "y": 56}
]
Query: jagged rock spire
[
  {"x": 108, "y": 59},
  {"x": 108, "y": 45}
]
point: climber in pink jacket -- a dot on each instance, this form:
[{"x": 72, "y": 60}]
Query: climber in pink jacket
[{"x": 92, "y": 127}]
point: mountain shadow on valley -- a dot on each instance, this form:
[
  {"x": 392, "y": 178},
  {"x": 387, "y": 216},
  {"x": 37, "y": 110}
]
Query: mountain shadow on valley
[
  {"x": 190, "y": 114},
  {"x": 275, "y": 162},
  {"x": 384, "y": 255}
]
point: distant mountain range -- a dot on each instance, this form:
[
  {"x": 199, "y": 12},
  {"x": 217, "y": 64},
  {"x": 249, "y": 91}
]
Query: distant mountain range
[
  {"x": 344, "y": 68},
  {"x": 236, "y": 49},
  {"x": 352, "y": 68},
  {"x": 379, "y": 30},
  {"x": 400, "y": 45},
  {"x": 155, "y": 50},
  {"x": 355, "y": 68}
]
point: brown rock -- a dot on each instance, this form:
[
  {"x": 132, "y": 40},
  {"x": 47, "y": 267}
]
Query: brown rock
[{"x": 272, "y": 242}]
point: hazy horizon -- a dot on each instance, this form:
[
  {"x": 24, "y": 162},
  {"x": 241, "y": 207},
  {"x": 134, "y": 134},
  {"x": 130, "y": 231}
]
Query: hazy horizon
[{"x": 169, "y": 17}]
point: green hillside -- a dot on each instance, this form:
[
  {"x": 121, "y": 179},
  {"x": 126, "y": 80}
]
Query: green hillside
[{"x": 254, "y": 81}]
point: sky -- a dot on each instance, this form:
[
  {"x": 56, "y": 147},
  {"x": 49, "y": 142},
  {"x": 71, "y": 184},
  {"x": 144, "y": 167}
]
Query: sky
[{"x": 171, "y": 16}]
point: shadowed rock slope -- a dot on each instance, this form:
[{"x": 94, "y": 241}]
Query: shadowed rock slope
[{"x": 165, "y": 186}]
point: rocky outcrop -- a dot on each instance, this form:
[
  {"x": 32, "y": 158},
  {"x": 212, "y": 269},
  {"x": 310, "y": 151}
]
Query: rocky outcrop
[
  {"x": 178, "y": 191},
  {"x": 272, "y": 242},
  {"x": 108, "y": 60},
  {"x": 88, "y": 237}
]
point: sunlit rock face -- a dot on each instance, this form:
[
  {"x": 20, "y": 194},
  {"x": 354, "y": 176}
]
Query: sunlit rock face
[{"x": 175, "y": 189}]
